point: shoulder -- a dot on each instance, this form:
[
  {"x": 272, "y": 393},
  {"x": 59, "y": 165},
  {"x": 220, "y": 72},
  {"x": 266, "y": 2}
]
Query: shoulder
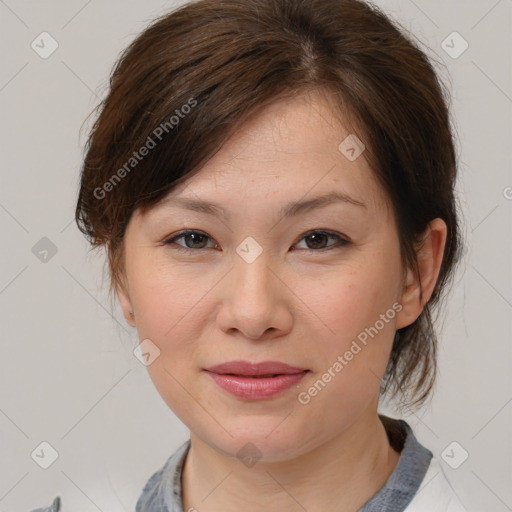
[
  {"x": 163, "y": 489},
  {"x": 435, "y": 493}
]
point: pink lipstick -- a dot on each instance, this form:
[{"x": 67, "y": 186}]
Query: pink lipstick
[{"x": 256, "y": 381}]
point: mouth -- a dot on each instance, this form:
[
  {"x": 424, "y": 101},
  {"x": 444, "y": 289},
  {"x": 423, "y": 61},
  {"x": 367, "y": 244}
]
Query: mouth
[
  {"x": 255, "y": 376},
  {"x": 263, "y": 369},
  {"x": 256, "y": 381}
]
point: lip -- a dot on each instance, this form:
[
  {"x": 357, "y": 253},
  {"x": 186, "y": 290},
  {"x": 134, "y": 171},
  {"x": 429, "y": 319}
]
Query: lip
[
  {"x": 251, "y": 369},
  {"x": 255, "y": 381}
]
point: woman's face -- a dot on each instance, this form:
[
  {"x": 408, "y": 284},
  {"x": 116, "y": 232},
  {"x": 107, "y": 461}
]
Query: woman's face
[{"x": 281, "y": 269}]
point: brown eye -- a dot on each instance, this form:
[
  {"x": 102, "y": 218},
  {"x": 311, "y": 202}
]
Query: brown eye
[
  {"x": 191, "y": 240},
  {"x": 195, "y": 240},
  {"x": 317, "y": 240}
]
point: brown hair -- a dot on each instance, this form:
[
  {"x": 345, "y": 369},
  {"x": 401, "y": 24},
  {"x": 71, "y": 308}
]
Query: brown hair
[{"x": 186, "y": 83}]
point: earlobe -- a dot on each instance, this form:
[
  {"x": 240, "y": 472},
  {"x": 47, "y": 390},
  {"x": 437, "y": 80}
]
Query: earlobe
[{"x": 419, "y": 286}]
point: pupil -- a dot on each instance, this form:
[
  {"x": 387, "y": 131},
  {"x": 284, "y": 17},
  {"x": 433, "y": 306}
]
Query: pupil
[
  {"x": 318, "y": 243},
  {"x": 194, "y": 238}
]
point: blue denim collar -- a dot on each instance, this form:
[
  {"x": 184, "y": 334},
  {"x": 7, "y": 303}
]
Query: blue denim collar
[{"x": 402, "y": 485}]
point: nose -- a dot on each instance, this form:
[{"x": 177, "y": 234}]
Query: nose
[{"x": 255, "y": 301}]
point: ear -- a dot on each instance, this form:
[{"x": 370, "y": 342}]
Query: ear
[
  {"x": 430, "y": 256},
  {"x": 123, "y": 296}
]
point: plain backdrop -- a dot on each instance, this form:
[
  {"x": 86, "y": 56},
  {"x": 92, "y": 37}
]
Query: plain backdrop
[{"x": 68, "y": 374}]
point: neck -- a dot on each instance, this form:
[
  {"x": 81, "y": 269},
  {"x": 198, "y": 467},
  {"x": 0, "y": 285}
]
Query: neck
[{"x": 347, "y": 470}]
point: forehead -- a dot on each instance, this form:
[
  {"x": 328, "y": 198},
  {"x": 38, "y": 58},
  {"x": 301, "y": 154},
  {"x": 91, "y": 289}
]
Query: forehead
[{"x": 286, "y": 151}]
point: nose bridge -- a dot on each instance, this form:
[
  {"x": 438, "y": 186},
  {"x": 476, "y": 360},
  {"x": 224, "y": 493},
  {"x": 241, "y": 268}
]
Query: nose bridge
[
  {"x": 253, "y": 277},
  {"x": 254, "y": 301}
]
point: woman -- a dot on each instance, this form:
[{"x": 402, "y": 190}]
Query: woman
[{"x": 273, "y": 181}]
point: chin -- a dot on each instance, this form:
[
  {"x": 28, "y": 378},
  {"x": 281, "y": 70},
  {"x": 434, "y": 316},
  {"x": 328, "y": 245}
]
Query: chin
[{"x": 251, "y": 439}]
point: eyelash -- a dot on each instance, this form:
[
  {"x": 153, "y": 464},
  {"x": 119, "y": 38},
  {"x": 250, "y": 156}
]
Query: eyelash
[{"x": 341, "y": 241}]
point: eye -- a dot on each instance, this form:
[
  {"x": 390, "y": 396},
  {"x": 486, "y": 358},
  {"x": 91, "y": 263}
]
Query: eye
[
  {"x": 193, "y": 239},
  {"x": 317, "y": 239}
]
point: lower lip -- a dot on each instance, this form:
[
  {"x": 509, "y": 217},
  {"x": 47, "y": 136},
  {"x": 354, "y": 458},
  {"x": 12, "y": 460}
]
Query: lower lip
[{"x": 256, "y": 388}]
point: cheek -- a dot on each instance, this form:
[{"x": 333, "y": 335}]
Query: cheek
[
  {"x": 170, "y": 305},
  {"x": 167, "y": 300},
  {"x": 353, "y": 308},
  {"x": 347, "y": 301}
]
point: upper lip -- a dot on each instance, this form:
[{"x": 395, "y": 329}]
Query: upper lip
[{"x": 263, "y": 368}]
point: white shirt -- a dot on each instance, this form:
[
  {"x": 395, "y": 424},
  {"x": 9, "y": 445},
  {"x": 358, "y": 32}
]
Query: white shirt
[{"x": 435, "y": 493}]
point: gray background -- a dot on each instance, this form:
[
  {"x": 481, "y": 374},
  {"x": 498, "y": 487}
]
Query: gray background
[{"x": 68, "y": 374}]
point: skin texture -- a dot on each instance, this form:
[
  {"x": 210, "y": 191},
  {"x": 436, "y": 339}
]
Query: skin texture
[{"x": 294, "y": 303}]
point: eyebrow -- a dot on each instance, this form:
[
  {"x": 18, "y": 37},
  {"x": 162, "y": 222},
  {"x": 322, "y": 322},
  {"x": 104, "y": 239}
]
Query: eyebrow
[{"x": 289, "y": 210}]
